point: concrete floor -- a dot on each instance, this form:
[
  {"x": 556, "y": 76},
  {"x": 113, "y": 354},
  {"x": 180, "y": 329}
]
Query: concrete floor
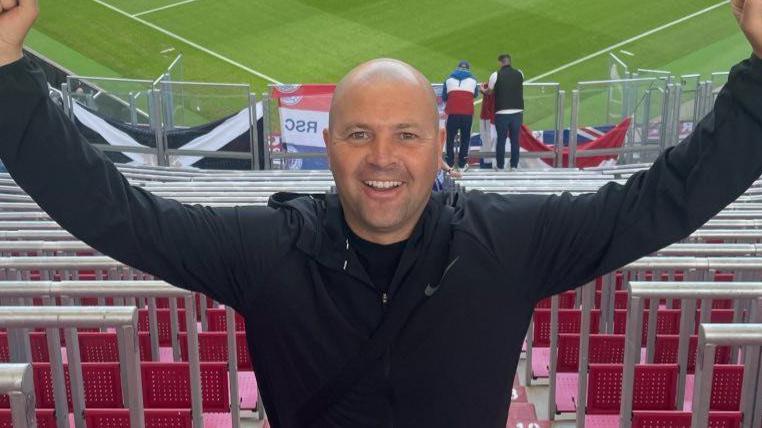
[{"x": 537, "y": 394}]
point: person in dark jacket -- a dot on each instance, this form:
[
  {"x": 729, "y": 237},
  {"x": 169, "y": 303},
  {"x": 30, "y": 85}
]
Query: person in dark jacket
[
  {"x": 507, "y": 86},
  {"x": 458, "y": 93},
  {"x": 383, "y": 305}
]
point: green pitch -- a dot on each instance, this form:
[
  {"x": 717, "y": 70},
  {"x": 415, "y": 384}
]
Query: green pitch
[
  {"x": 290, "y": 41},
  {"x": 319, "y": 40}
]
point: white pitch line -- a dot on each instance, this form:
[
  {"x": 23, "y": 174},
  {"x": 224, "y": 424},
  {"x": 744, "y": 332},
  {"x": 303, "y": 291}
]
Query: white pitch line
[
  {"x": 190, "y": 43},
  {"x": 630, "y": 40},
  {"x": 164, "y": 7},
  {"x": 623, "y": 43}
]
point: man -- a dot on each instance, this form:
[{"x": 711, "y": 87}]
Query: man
[
  {"x": 507, "y": 84},
  {"x": 381, "y": 305},
  {"x": 458, "y": 93}
]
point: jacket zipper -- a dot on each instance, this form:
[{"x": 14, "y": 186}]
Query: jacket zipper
[{"x": 387, "y": 358}]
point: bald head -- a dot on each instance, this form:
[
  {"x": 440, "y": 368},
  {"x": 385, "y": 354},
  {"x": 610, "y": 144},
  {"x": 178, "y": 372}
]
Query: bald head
[
  {"x": 384, "y": 71},
  {"x": 384, "y": 146}
]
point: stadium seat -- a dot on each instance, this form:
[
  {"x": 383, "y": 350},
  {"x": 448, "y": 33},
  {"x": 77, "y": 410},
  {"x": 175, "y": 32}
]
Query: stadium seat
[
  {"x": 675, "y": 419},
  {"x": 217, "y": 321},
  {"x": 655, "y": 389},
  {"x": 602, "y": 349}
]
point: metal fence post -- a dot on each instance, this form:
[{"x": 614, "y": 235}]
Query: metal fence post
[
  {"x": 676, "y": 112},
  {"x": 65, "y": 99},
  {"x": 133, "y": 107},
  {"x": 559, "y": 143},
  {"x": 266, "y": 129},
  {"x": 254, "y": 137},
  {"x": 154, "y": 105},
  {"x": 573, "y": 129},
  {"x": 631, "y": 358},
  {"x": 662, "y": 121}
]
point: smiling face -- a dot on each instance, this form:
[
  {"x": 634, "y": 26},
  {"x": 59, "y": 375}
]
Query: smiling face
[{"x": 384, "y": 145}]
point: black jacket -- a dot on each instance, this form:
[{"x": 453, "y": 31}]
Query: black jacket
[
  {"x": 308, "y": 305},
  {"x": 509, "y": 89}
]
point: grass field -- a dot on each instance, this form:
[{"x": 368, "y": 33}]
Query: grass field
[{"x": 299, "y": 41}]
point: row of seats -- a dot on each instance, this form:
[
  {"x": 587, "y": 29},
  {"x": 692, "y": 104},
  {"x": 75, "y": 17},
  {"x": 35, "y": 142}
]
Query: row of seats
[{"x": 608, "y": 321}]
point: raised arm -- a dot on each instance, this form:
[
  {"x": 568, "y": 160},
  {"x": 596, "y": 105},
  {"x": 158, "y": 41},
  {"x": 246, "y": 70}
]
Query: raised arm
[
  {"x": 199, "y": 248},
  {"x": 579, "y": 238}
]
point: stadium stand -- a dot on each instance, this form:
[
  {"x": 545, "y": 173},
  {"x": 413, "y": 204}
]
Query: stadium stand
[{"x": 622, "y": 351}]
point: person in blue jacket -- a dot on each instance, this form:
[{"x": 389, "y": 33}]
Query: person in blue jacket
[{"x": 458, "y": 93}]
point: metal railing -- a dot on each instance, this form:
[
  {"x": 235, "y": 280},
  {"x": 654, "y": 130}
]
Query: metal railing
[{"x": 16, "y": 381}]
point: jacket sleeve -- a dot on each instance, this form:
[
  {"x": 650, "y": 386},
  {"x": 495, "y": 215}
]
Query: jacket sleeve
[
  {"x": 577, "y": 239},
  {"x": 198, "y": 248},
  {"x": 444, "y": 91}
]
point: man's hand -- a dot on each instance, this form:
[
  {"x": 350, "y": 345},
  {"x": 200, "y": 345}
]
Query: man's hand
[
  {"x": 16, "y": 18},
  {"x": 749, "y": 16}
]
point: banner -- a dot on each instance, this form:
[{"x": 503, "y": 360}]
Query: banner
[
  {"x": 232, "y": 134},
  {"x": 610, "y": 140}
]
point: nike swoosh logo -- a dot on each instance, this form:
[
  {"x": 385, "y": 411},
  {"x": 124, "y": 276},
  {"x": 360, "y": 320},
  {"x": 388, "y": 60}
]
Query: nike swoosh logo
[{"x": 429, "y": 291}]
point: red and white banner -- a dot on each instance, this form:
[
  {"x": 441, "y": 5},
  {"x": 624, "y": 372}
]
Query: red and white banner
[{"x": 303, "y": 111}]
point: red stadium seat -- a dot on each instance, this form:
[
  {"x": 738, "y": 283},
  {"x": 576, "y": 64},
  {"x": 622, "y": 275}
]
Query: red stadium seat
[
  {"x": 45, "y": 418},
  {"x": 102, "y": 386},
  {"x": 160, "y": 394},
  {"x": 675, "y": 419},
  {"x": 667, "y": 322},
  {"x": 566, "y": 300},
  {"x": 603, "y": 349},
  {"x": 665, "y": 351},
  {"x": 569, "y": 321},
  {"x": 655, "y": 388},
  {"x": 620, "y": 299},
  {"x": 154, "y": 418},
  {"x": 164, "y": 325},
  {"x": 213, "y": 346},
  {"x": 727, "y": 381},
  {"x": 216, "y": 320},
  {"x": 103, "y": 347}
]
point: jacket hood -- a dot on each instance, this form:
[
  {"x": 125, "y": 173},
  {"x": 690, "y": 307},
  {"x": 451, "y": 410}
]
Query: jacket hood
[{"x": 461, "y": 74}]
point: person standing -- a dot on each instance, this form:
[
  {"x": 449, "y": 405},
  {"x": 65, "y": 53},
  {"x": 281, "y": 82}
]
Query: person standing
[
  {"x": 507, "y": 84},
  {"x": 487, "y": 124},
  {"x": 459, "y": 91}
]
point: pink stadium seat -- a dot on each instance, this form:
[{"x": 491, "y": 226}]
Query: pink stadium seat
[
  {"x": 103, "y": 347},
  {"x": 620, "y": 299},
  {"x": 164, "y": 325},
  {"x": 93, "y": 301},
  {"x": 102, "y": 386},
  {"x": 213, "y": 346},
  {"x": 665, "y": 351},
  {"x": 566, "y": 300},
  {"x": 727, "y": 381},
  {"x": 667, "y": 322},
  {"x": 655, "y": 388},
  {"x": 154, "y": 418},
  {"x": 216, "y": 320},
  {"x": 716, "y": 316},
  {"x": 675, "y": 419},
  {"x": 163, "y": 303},
  {"x": 160, "y": 394},
  {"x": 45, "y": 418},
  {"x": 603, "y": 349},
  {"x": 569, "y": 321}
]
